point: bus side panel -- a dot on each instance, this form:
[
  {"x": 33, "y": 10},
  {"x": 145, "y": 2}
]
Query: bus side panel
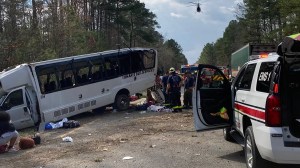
[
  {"x": 66, "y": 103},
  {"x": 143, "y": 81}
]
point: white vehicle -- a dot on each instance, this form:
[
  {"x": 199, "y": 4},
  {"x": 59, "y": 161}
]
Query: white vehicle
[
  {"x": 262, "y": 104},
  {"x": 51, "y": 90}
]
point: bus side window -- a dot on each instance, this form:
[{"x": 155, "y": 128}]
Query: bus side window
[
  {"x": 47, "y": 79},
  {"x": 136, "y": 62},
  {"x": 97, "y": 69},
  {"x": 124, "y": 61},
  {"x": 148, "y": 60},
  {"x": 111, "y": 66}
]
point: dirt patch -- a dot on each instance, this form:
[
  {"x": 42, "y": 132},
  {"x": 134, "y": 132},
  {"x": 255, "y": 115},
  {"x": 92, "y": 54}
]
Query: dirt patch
[{"x": 97, "y": 134}]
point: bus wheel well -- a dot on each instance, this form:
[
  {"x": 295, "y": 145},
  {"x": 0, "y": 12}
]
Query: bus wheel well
[
  {"x": 123, "y": 91},
  {"x": 246, "y": 123}
]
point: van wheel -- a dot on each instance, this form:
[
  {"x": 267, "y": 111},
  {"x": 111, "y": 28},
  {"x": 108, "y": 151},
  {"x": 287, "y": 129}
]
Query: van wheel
[
  {"x": 122, "y": 102},
  {"x": 226, "y": 134},
  {"x": 252, "y": 156}
]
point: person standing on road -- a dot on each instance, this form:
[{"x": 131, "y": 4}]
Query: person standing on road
[
  {"x": 173, "y": 88},
  {"x": 164, "y": 86},
  {"x": 189, "y": 83},
  {"x": 8, "y": 133}
]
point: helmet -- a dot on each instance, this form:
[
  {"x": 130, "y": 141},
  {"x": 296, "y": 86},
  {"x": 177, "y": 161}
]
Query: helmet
[{"x": 172, "y": 69}]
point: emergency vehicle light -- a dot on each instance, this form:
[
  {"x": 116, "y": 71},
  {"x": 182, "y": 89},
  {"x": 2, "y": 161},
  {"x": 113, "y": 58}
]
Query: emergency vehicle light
[{"x": 263, "y": 55}]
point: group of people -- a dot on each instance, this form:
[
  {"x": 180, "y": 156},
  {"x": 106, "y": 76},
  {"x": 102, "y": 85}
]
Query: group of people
[{"x": 171, "y": 86}]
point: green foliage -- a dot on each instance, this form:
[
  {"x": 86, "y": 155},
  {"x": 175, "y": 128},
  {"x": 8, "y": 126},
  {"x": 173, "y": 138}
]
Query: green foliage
[
  {"x": 257, "y": 22},
  {"x": 208, "y": 54},
  {"x": 177, "y": 58},
  {"x": 48, "y": 54}
]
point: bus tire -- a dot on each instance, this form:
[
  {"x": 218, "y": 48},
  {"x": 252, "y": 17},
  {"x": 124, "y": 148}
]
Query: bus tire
[
  {"x": 252, "y": 156},
  {"x": 122, "y": 102}
]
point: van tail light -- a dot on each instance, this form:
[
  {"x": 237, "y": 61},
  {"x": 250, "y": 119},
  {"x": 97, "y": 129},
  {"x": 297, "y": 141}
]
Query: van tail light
[{"x": 273, "y": 111}]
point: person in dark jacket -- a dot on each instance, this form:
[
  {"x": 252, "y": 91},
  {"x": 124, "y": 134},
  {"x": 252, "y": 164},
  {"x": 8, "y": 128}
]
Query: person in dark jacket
[
  {"x": 173, "y": 88},
  {"x": 8, "y": 133}
]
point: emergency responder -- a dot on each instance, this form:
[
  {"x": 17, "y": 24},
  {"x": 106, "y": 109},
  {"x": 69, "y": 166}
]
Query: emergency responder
[{"x": 173, "y": 89}]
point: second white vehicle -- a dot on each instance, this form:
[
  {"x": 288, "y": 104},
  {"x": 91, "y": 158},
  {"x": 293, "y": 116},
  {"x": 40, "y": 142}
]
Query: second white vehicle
[{"x": 261, "y": 106}]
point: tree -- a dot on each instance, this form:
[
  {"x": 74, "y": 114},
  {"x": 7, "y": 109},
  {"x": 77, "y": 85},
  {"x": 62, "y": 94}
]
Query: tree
[
  {"x": 33, "y": 30},
  {"x": 207, "y": 55},
  {"x": 178, "y": 57}
]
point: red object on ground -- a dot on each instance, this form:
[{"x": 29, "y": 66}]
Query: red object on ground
[
  {"x": 3, "y": 148},
  {"x": 133, "y": 98},
  {"x": 26, "y": 143}
]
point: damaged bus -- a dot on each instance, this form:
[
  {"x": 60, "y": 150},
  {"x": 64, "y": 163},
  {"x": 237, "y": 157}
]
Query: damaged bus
[{"x": 48, "y": 91}]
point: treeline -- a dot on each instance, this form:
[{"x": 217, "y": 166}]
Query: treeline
[
  {"x": 35, "y": 30},
  {"x": 258, "y": 21}
]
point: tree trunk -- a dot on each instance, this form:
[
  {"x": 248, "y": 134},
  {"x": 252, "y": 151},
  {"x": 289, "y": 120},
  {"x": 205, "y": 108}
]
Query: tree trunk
[
  {"x": 34, "y": 17},
  {"x": 1, "y": 19}
]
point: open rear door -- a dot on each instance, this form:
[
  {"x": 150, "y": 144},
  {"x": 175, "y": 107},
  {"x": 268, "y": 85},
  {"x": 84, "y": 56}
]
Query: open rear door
[
  {"x": 288, "y": 74},
  {"x": 212, "y": 96}
]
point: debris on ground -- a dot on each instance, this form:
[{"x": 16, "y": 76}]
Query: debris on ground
[
  {"x": 127, "y": 158},
  {"x": 67, "y": 139}
]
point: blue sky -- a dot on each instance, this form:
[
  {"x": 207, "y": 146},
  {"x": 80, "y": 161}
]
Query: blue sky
[{"x": 190, "y": 29}]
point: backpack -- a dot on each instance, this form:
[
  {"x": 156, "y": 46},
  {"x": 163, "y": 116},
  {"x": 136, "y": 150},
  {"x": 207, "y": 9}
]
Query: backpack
[{"x": 71, "y": 124}]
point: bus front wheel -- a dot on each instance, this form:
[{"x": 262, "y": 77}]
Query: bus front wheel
[{"x": 122, "y": 102}]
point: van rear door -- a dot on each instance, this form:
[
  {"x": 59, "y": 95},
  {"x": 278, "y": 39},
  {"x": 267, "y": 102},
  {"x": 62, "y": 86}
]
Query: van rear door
[
  {"x": 211, "y": 97},
  {"x": 15, "y": 105},
  {"x": 290, "y": 80}
]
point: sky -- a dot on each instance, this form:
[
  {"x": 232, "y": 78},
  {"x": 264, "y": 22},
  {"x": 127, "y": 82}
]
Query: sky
[{"x": 180, "y": 21}]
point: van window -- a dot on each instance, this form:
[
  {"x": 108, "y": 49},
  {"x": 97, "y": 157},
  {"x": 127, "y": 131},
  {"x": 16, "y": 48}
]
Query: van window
[
  {"x": 211, "y": 78},
  {"x": 264, "y": 76},
  {"x": 14, "y": 99},
  {"x": 246, "y": 79}
]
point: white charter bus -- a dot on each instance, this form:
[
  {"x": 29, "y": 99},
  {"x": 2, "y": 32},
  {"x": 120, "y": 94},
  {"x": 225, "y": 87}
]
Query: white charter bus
[{"x": 51, "y": 90}]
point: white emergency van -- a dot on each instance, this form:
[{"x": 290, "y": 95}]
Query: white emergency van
[
  {"x": 48, "y": 91},
  {"x": 262, "y": 104}
]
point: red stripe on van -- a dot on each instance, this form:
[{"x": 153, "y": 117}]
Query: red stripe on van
[{"x": 250, "y": 111}]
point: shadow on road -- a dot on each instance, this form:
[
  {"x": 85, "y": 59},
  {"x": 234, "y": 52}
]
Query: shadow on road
[
  {"x": 239, "y": 157},
  {"x": 236, "y": 156}
]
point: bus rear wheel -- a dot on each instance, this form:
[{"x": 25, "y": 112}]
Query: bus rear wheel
[{"x": 122, "y": 102}]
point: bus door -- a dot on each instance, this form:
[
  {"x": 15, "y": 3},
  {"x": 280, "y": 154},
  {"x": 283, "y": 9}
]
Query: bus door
[
  {"x": 16, "y": 105},
  {"x": 212, "y": 99}
]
